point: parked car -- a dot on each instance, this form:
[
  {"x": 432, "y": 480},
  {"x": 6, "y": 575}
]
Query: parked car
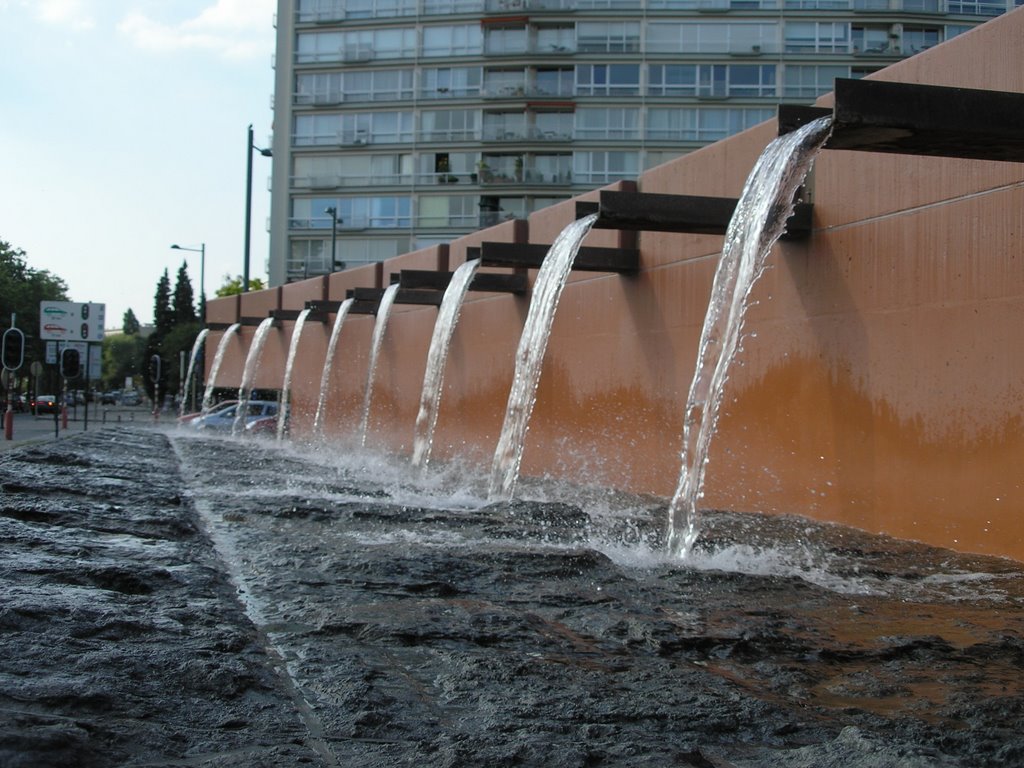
[
  {"x": 110, "y": 398},
  {"x": 46, "y": 404},
  {"x": 130, "y": 397},
  {"x": 186, "y": 418},
  {"x": 266, "y": 425},
  {"x": 224, "y": 419}
]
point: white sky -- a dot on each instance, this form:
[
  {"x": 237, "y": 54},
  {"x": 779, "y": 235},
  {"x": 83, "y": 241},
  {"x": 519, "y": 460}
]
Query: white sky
[{"x": 123, "y": 130}]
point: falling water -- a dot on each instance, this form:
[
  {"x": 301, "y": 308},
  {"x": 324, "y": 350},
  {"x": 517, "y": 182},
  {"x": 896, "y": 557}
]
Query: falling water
[
  {"x": 547, "y": 289},
  {"x": 218, "y": 358},
  {"x": 252, "y": 361},
  {"x": 383, "y": 311},
  {"x": 759, "y": 220},
  {"x": 433, "y": 378},
  {"x": 286, "y": 384},
  {"x": 325, "y": 377},
  {"x": 189, "y": 386}
]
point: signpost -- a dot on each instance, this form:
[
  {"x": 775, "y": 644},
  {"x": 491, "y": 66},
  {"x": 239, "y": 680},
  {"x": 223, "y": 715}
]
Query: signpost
[
  {"x": 12, "y": 353},
  {"x": 72, "y": 323}
]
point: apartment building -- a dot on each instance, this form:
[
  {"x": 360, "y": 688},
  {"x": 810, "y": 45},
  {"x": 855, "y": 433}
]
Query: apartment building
[{"x": 403, "y": 123}]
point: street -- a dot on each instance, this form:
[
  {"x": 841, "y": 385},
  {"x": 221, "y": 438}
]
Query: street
[{"x": 29, "y": 428}]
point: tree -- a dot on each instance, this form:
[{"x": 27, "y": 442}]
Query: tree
[
  {"x": 21, "y": 290},
  {"x": 182, "y": 305},
  {"x": 122, "y": 357},
  {"x": 130, "y": 324},
  {"x": 163, "y": 313},
  {"x": 233, "y": 286}
]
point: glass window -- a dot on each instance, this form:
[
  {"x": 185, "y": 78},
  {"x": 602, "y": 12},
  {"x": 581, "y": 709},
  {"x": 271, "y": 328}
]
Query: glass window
[
  {"x": 505, "y": 40},
  {"x": 917, "y": 39},
  {"x": 555, "y": 82},
  {"x": 711, "y": 37},
  {"x": 360, "y": 128},
  {"x": 316, "y": 130},
  {"x": 556, "y": 39},
  {"x": 608, "y": 79},
  {"x": 447, "y": 211},
  {"x": 504, "y": 126},
  {"x": 811, "y": 81},
  {"x": 553, "y": 126},
  {"x": 450, "y": 82},
  {"x": 452, "y": 40},
  {"x": 712, "y": 80},
  {"x": 817, "y": 37},
  {"x": 608, "y": 36},
  {"x": 702, "y": 124},
  {"x": 312, "y": 47},
  {"x": 550, "y": 169},
  {"x": 870, "y": 39},
  {"x": 607, "y": 123},
  {"x": 449, "y": 125},
  {"x": 505, "y": 82},
  {"x": 604, "y": 167}
]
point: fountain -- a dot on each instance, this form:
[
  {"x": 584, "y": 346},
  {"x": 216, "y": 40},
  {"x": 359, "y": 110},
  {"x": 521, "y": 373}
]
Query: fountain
[
  {"x": 321, "y": 403},
  {"x": 252, "y": 360},
  {"x": 218, "y": 358},
  {"x": 189, "y": 385},
  {"x": 551, "y": 279},
  {"x": 286, "y": 384},
  {"x": 760, "y": 216},
  {"x": 383, "y": 311},
  {"x": 433, "y": 377}
]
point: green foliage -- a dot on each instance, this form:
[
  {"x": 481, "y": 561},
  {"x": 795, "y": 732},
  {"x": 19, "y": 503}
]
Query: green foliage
[
  {"x": 122, "y": 357},
  {"x": 182, "y": 306},
  {"x": 163, "y": 314},
  {"x": 21, "y": 290},
  {"x": 233, "y": 286},
  {"x": 174, "y": 350},
  {"x": 130, "y": 324}
]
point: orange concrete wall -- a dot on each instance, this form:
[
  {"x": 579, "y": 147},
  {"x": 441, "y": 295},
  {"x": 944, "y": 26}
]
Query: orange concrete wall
[{"x": 881, "y": 380}]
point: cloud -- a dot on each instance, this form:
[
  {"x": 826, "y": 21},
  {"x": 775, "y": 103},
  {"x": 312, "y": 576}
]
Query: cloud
[
  {"x": 72, "y": 13},
  {"x": 236, "y": 29}
]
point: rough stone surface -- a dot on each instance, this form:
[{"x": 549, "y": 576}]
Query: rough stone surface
[{"x": 174, "y": 600}]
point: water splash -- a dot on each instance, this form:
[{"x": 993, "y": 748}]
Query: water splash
[
  {"x": 286, "y": 384},
  {"x": 190, "y": 386},
  {"x": 218, "y": 358},
  {"x": 325, "y": 377},
  {"x": 252, "y": 362},
  {"x": 547, "y": 289},
  {"x": 383, "y": 312},
  {"x": 433, "y": 378},
  {"x": 760, "y": 218}
]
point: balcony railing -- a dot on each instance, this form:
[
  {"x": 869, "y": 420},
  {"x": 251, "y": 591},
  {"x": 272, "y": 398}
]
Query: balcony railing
[{"x": 334, "y": 181}]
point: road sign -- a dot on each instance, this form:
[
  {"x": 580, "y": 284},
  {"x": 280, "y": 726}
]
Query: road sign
[
  {"x": 36, "y": 368},
  {"x": 71, "y": 321}
]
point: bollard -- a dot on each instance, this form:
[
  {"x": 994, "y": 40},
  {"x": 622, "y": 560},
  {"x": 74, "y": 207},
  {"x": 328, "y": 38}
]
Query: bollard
[
  {"x": 9, "y": 423},
  {"x": 64, "y": 417}
]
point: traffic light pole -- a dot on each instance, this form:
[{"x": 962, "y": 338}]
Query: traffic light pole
[{"x": 12, "y": 354}]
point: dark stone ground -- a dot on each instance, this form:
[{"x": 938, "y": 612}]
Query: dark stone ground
[{"x": 183, "y": 601}]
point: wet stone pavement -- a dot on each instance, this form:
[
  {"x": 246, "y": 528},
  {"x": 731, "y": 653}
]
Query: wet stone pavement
[{"x": 174, "y": 600}]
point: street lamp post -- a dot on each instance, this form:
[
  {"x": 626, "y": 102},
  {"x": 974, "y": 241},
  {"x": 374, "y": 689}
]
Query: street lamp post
[
  {"x": 249, "y": 149},
  {"x": 201, "y": 250},
  {"x": 335, "y": 221}
]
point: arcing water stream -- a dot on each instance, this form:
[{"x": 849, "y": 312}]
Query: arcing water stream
[
  {"x": 286, "y": 384},
  {"x": 190, "y": 385},
  {"x": 383, "y": 312},
  {"x": 325, "y": 376},
  {"x": 218, "y": 358},
  {"x": 437, "y": 356},
  {"x": 547, "y": 290},
  {"x": 252, "y": 361},
  {"x": 760, "y": 218}
]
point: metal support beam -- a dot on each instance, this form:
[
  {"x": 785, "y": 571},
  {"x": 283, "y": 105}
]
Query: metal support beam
[
  {"x": 911, "y": 119},
  {"x": 693, "y": 214},
  {"x": 326, "y": 307},
  {"x": 258, "y": 321},
  {"x": 218, "y": 326},
  {"x": 425, "y": 297},
  {"x": 293, "y": 314},
  {"x": 487, "y": 282},
  {"x": 588, "y": 259}
]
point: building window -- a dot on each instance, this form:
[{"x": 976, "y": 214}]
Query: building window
[
  {"x": 339, "y": 87},
  {"x": 363, "y": 128},
  {"x": 449, "y": 125},
  {"x": 320, "y": 172},
  {"x": 385, "y": 212},
  {"x": 553, "y": 126},
  {"x": 450, "y": 82},
  {"x": 613, "y": 123},
  {"x": 872, "y": 39},
  {"x": 506, "y": 83},
  {"x": 555, "y": 82},
  {"x": 608, "y": 79},
  {"x": 453, "y": 40},
  {"x": 505, "y": 40},
  {"x": 556, "y": 39},
  {"x": 701, "y": 124},
  {"x": 917, "y": 39},
  {"x": 817, "y": 37},
  {"x": 810, "y": 81},
  {"x": 604, "y": 167},
  {"x": 712, "y": 80},
  {"x": 608, "y": 36},
  {"x": 979, "y": 8},
  {"x": 355, "y": 46},
  {"x": 316, "y": 130},
  {"x": 692, "y": 37},
  {"x": 447, "y": 211},
  {"x": 504, "y": 126}
]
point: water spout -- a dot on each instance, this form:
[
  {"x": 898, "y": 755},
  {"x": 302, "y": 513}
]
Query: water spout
[
  {"x": 760, "y": 218},
  {"x": 547, "y": 289},
  {"x": 286, "y": 384},
  {"x": 325, "y": 377},
  {"x": 218, "y": 358},
  {"x": 252, "y": 361},
  {"x": 437, "y": 356},
  {"x": 383, "y": 311},
  {"x": 189, "y": 387}
]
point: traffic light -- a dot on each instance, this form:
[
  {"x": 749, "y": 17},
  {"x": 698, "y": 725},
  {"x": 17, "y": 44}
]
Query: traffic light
[
  {"x": 70, "y": 363},
  {"x": 12, "y": 349}
]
